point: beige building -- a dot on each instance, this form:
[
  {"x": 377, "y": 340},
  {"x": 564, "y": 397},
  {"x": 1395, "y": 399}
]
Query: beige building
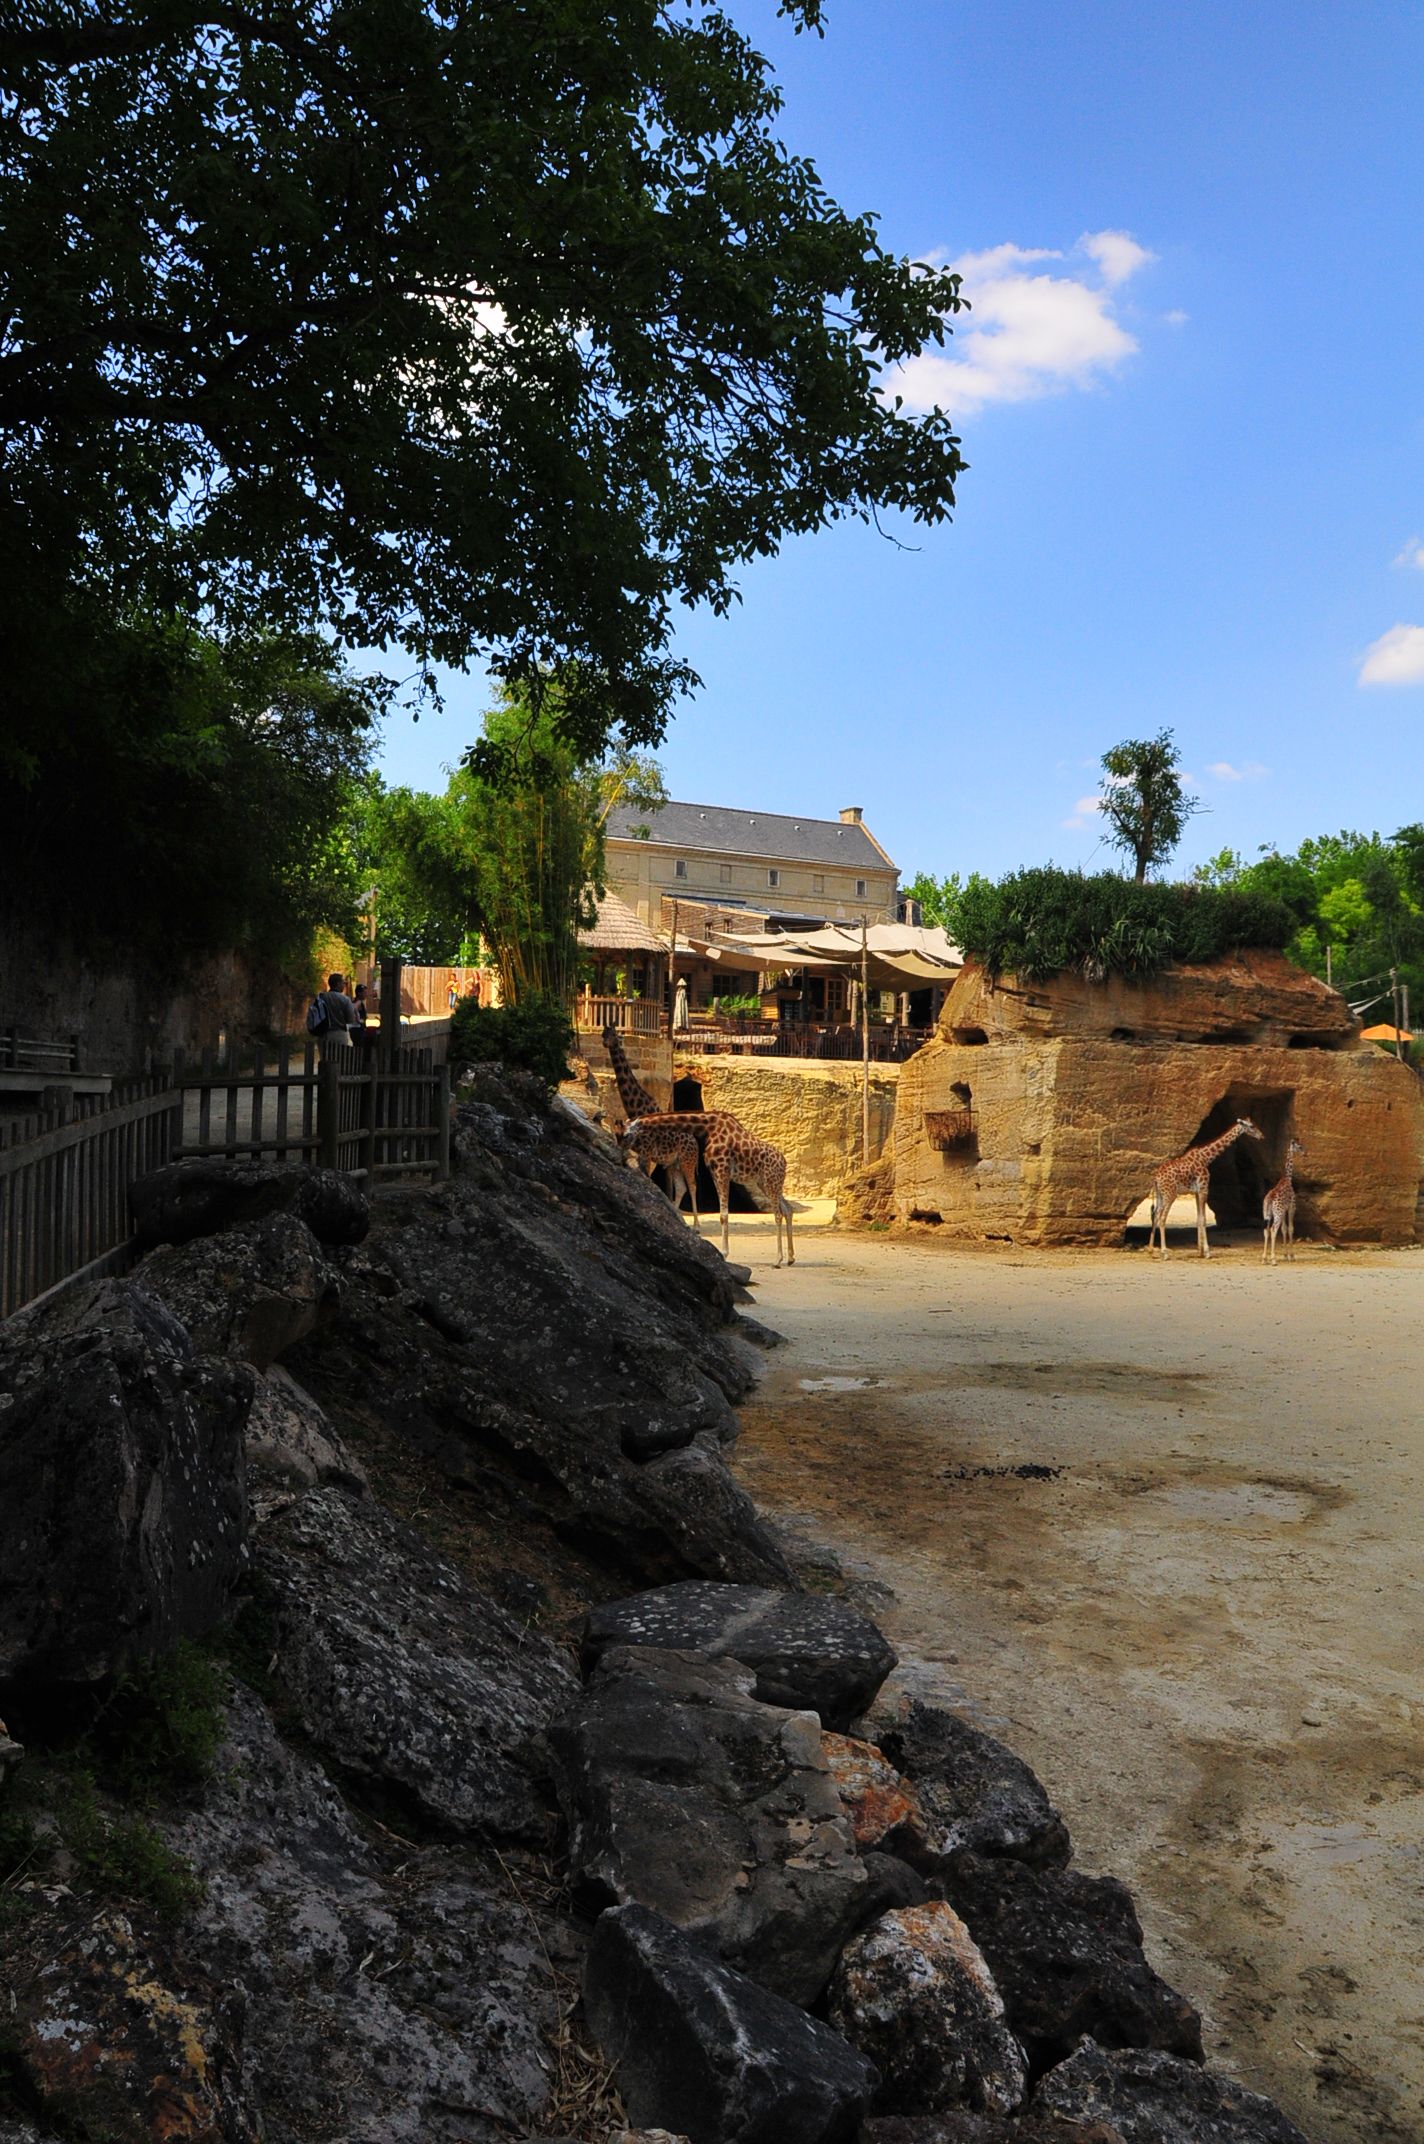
[{"x": 764, "y": 864}]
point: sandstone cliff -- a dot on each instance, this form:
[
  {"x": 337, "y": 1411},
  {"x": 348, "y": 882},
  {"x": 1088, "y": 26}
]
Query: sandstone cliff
[{"x": 1039, "y": 1112}]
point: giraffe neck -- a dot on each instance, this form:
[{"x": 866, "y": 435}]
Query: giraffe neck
[
  {"x": 636, "y": 1100},
  {"x": 1217, "y": 1146}
]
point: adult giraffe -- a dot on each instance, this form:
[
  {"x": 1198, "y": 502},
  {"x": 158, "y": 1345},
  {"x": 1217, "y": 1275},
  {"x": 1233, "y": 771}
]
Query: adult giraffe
[
  {"x": 1189, "y": 1172},
  {"x": 732, "y": 1153}
]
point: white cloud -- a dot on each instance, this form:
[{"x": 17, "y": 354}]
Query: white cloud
[
  {"x": 1085, "y": 811},
  {"x": 1396, "y": 658},
  {"x": 1176, "y": 318},
  {"x": 1118, "y": 256},
  {"x": 1251, "y": 770},
  {"x": 1030, "y": 332},
  {"x": 1412, "y": 554}
]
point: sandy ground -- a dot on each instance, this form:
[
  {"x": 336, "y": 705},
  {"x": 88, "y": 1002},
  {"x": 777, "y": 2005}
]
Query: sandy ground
[{"x": 1202, "y": 1628}]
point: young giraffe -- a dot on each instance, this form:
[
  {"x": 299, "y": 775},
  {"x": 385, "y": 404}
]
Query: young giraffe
[
  {"x": 1189, "y": 1172},
  {"x": 1278, "y": 1208},
  {"x": 666, "y": 1142},
  {"x": 733, "y": 1154}
]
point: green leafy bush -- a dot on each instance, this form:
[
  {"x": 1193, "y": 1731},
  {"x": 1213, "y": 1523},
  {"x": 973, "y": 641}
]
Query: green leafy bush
[
  {"x": 747, "y": 1007},
  {"x": 536, "y": 1036},
  {"x": 1039, "y": 923},
  {"x": 159, "y": 1732}
]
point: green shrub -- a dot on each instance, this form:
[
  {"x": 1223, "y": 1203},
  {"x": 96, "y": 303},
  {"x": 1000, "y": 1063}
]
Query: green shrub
[
  {"x": 123, "y": 1854},
  {"x": 739, "y": 1007},
  {"x": 535, "y": 1035},
  {"x": 1038, "y": 923},
  {"x": 159, "y": 1732}
]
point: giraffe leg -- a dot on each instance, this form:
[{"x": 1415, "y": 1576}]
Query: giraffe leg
[
  {"x": 1159, "y": 1221},
  {"x": 1266, "y": 1241},
  {"x": 721, "y": 1170},
  {"x": 689, "y": 1177},
  {"x": 1202, "y": 1244},
  {"x": 790, "y": 1239}
]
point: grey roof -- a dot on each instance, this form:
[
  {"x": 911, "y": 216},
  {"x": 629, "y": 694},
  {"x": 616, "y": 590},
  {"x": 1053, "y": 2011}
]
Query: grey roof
[{"x": 741, "y": 833}]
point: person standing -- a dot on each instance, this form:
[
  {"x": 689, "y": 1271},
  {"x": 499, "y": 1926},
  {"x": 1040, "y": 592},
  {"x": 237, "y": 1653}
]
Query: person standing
[{"x": 341, "y": 1017}]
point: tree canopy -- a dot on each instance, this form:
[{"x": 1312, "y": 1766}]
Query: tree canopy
[
  {"x": 441, "y": 325},
  {"x": 1143, "y": 801},
  {"x": 1361, "y": 896}
]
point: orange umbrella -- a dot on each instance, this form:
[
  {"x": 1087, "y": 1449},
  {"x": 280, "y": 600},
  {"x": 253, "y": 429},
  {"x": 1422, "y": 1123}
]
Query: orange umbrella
[{"x": 1385, "y": 1033}]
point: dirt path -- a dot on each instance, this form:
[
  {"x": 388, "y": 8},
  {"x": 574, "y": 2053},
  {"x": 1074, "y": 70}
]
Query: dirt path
[{"x": 1205, "y": 1632}]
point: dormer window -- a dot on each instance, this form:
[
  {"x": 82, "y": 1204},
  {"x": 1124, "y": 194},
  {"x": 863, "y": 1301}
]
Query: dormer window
[{"x": 679, "y": 869}]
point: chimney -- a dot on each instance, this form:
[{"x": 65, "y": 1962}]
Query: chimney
[{"x": 851, "y": 815}]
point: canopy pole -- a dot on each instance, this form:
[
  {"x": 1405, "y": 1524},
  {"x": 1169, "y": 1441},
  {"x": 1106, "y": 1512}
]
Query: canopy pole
[
  {"x": 672, "y": 970},
  {"x": 864, "y": 1045}
]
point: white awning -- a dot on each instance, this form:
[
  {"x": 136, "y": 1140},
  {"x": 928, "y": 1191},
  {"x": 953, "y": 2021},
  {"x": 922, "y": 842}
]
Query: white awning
[{"x": 898, "y": 953}]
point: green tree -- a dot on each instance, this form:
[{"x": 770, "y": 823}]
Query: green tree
[
  {"x": 167, "y": 792},
  {"x": 416, "y": 856},
  {"x": 445, "y": 325},
  {"x": 1143, "y": 801}
]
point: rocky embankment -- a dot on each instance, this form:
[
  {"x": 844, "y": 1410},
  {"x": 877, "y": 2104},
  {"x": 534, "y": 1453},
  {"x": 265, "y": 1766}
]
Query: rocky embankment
[{"x": 415, "y": 1734}]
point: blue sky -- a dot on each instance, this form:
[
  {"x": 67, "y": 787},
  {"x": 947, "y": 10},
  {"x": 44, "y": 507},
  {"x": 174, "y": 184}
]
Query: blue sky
[{"x": 1196, "y": 491}]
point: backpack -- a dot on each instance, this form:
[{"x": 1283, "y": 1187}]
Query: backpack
[{"x": 318, "y": 1016}]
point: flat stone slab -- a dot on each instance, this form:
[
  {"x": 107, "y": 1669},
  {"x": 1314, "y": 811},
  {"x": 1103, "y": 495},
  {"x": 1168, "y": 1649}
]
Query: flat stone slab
[
  {"x": 807, "y": 1652},
  {"x": 702, "y": 2051}
]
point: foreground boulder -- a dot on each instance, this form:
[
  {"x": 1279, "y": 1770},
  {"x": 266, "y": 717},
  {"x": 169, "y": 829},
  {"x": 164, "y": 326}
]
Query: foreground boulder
[
  {"x": 100, "y": 2036},
  {"x": 1066, "y": 1954},
  {"x": 123, "y": 1498},
  {"x": 972, "y": 1792},
  {"x": 251, "y": 1292},
  {"x": 806, "y": 1651},
  {"x": 702, "y": 2051},
  {"x": 1147, "y": 2097},
  {"x": 962, "y": 2127},
  {"x": 915, "y": 1995},
  {"x": 685, "y": 1794},
  {"x": 405, "y": 1675},
  {"x": 391, "y": 1994},
  {"x": 877, "y": 1800},
  {"x": 203, "y": 1196}
]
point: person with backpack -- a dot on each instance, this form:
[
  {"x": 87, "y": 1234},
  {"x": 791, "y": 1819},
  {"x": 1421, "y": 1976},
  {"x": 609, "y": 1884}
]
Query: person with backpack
[{"x": 331, "y": 1017}]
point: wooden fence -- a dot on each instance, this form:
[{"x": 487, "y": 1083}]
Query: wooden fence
[
  {"x": 888, "y": 1043},
  {"x": 631, "y": 1016},
  {"x": 64, "y": 1183},
  {"x": 65, "y": 1176}
]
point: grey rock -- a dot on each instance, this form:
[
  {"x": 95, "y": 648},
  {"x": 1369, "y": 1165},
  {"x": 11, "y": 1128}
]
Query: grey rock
[
  {"x": 684, "y": 1794},
  {"x": 251, "y": 1292},
  {"x": 1148, "y": 2097},
  {"x": 892, "y": 1883},
  {"x": 397, "y": 1998},
  {"x": 202, "y": 1196},
  {"x": 915, "y": 1995},
  {"x": 123, "y": 1499},
  {"x": 405, "y": 1675},
  {"x": 806, "y": 1651},
  {"x": 18, "y": 2132},
  {"x": 963, "y": 2127},
  {"x": 288, "y": 1435},
  {"x": 549, "y": 1333},
  {"x": 1066, "y": 1952},
  {"x": 972, "y": 1792},
  {"x": 702, "y": 2051}
]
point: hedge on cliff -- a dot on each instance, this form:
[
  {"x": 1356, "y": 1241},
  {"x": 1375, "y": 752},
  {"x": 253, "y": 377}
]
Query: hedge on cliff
[{"x": 1038, "y": 923}]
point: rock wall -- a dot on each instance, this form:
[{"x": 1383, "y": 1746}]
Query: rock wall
[
  {"x": 129, "y": 1017},
  {"x": 810, "y": 1110},
  {"x": 1079, "y": 1091}
]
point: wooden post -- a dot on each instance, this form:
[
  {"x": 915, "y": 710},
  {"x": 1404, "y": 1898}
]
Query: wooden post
[
  {"x": 368, "y": 1121},
  {"x": 390, "y": 1008},
  {"x": 864, "y": 1045},
  {"x": 1394, "y": 996},
  {"x": 672, "y": 969},
  {"x": 442, "y": 1121},
  {"x": 328, "y": 1113}
]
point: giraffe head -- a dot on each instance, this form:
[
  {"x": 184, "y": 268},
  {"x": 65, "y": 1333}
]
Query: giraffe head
[
  {"x": 1248, "y": 1130},
  {"x": 628, "y": 1135},
  {"x": 1296, "y": 1146}
]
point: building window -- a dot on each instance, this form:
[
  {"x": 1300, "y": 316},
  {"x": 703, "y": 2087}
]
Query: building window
[
  {"x": 679, "y": 869},
  {"x": 860, "y": 889},
  {"x": 773, "y": 878},
  {"x": 818, "y": 882},
  {"x": 726, "y": 871}
]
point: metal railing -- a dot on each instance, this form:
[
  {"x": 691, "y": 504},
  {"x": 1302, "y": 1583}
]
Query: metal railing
[{"x": 20, "y": 1052}]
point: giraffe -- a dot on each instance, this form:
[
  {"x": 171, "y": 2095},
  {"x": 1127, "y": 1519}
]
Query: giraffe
[
  {"x": 1189, "y": 1172},
  {"x": 636, "y": 1100},
  {"x": 1278, "y": 1208},
  {"x": 666, "y": 1142},
  {"x": 734, "y": 1153}
]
